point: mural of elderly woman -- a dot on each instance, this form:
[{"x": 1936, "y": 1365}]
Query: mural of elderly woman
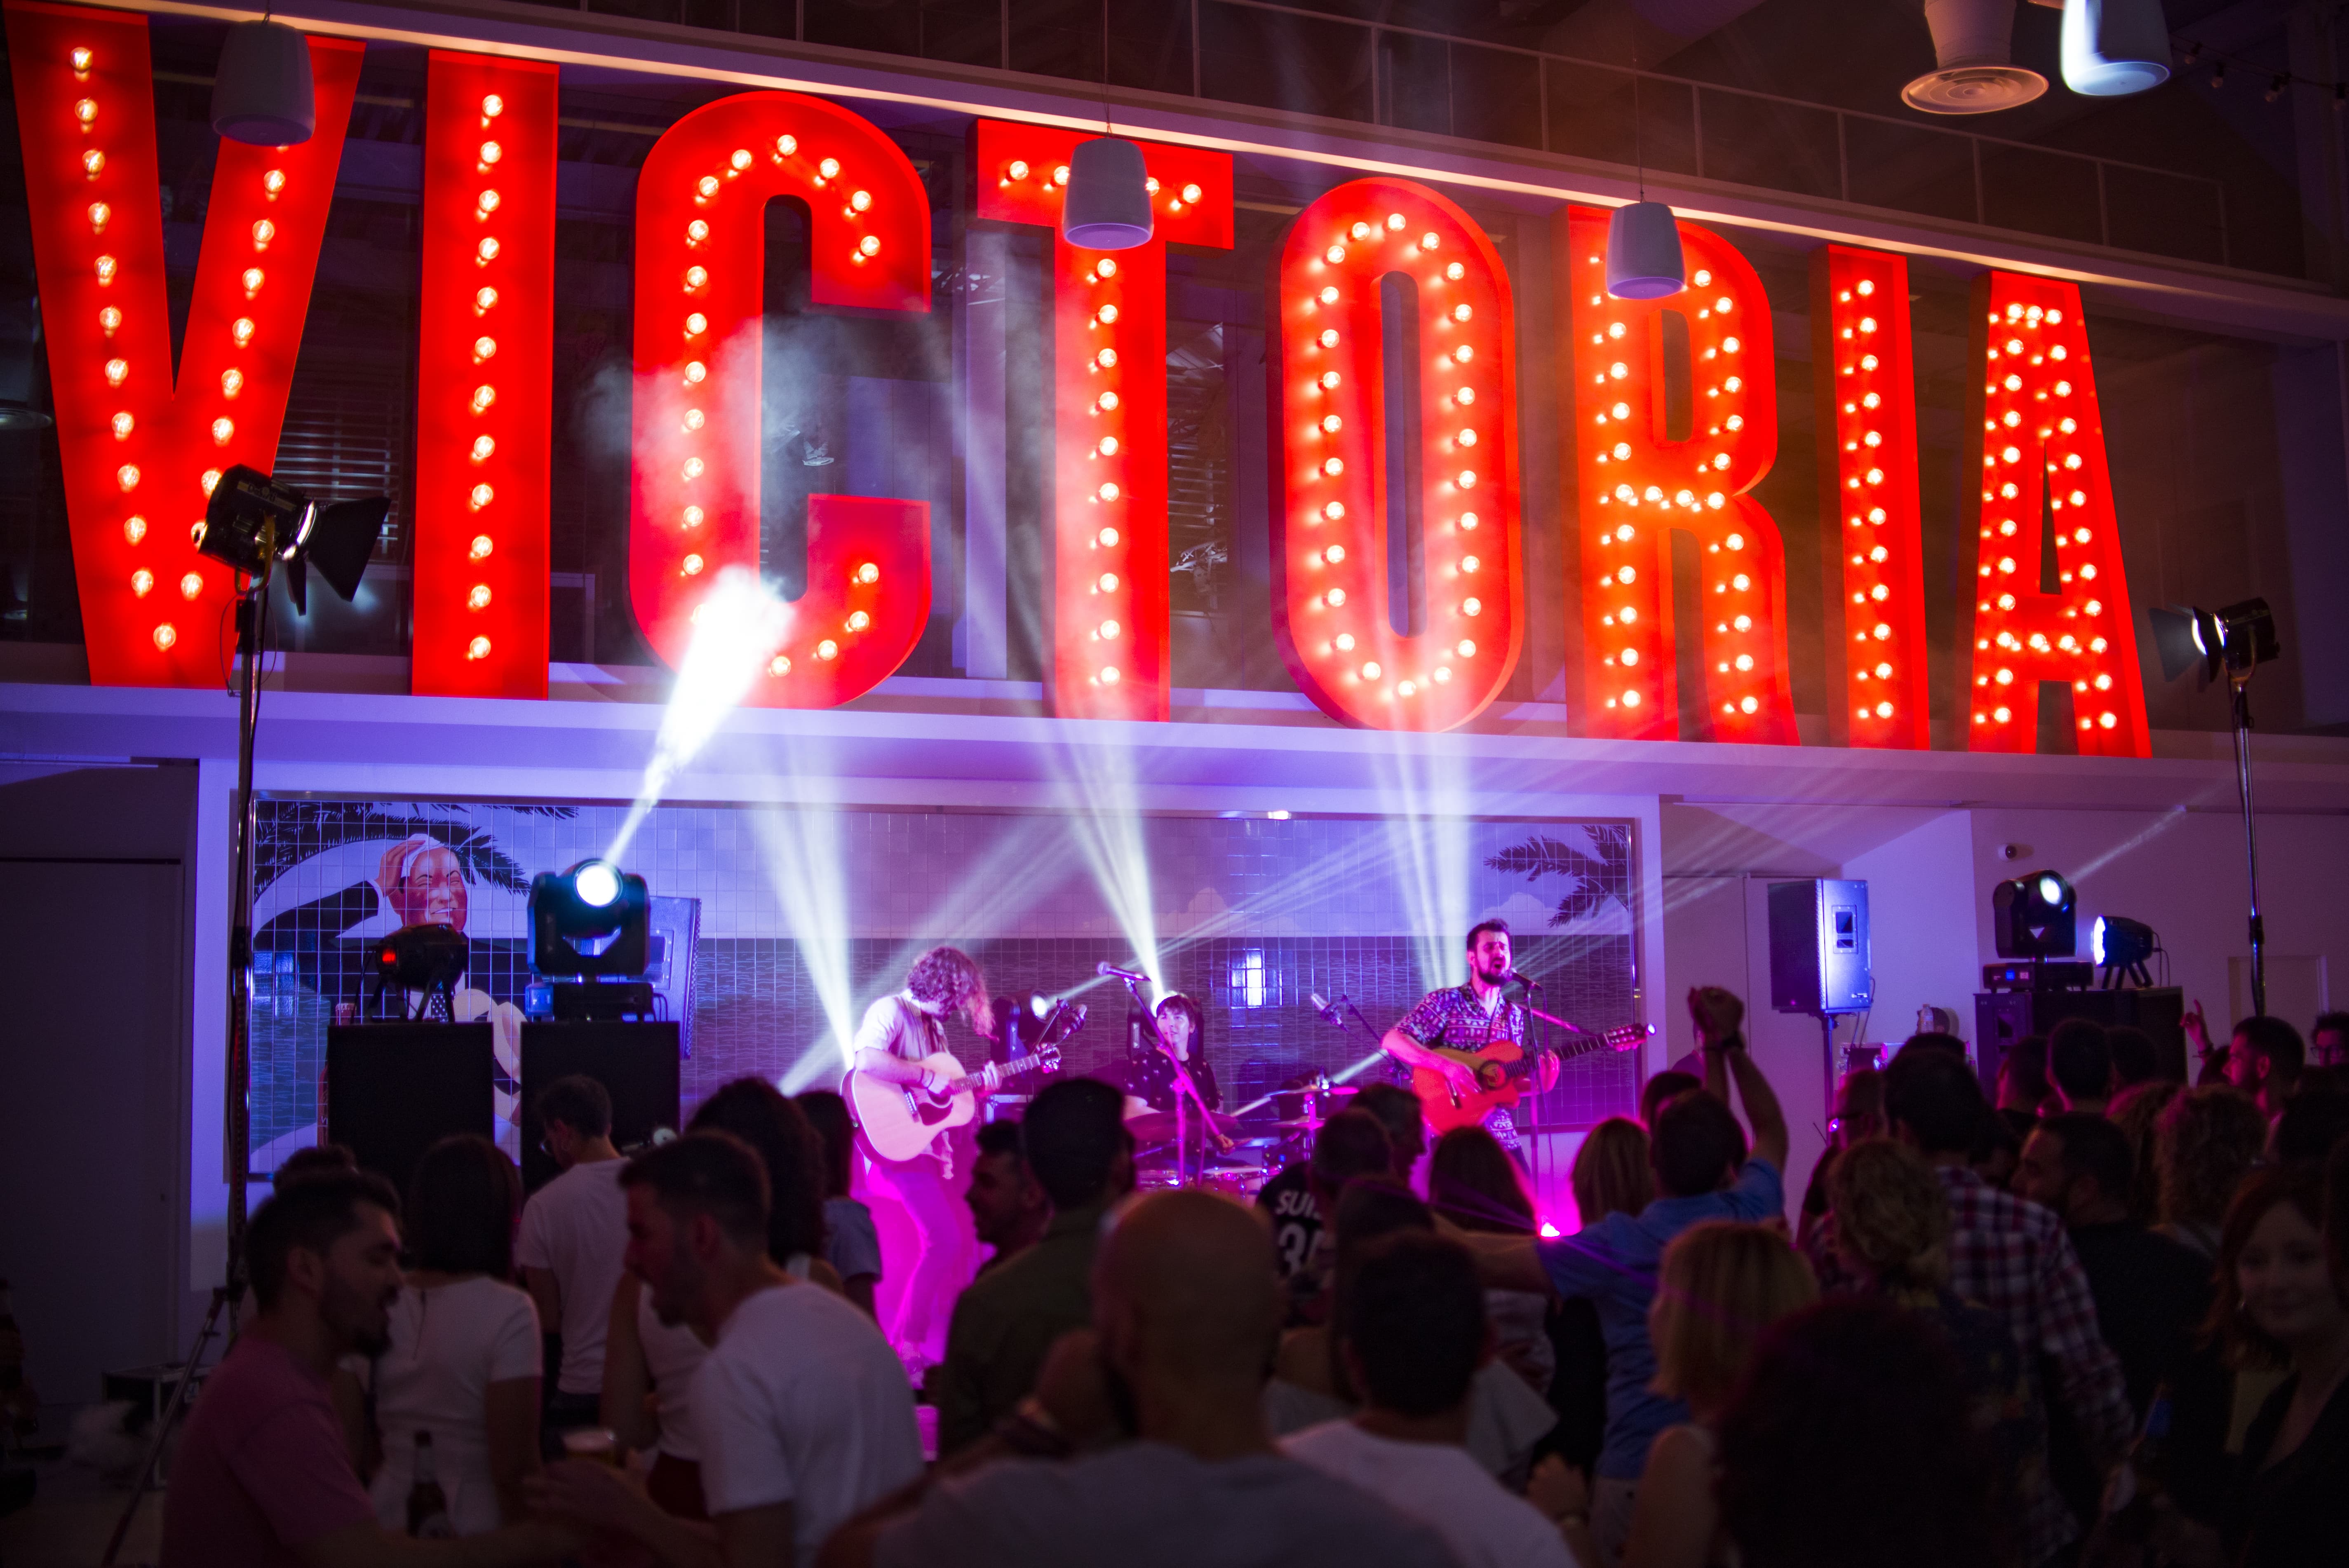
[
  {"x": 423, "y": 882},
  {"x": 418, "y": 881}
]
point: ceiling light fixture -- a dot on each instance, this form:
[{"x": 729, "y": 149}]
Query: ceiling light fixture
[
  {"x": 1974, "y": 51},
  {"x": 262, "y": 92},
  {"x": 1644, "y": 239},
  {"x": 2114, "y": 47},
  {"x": 1108, "y": 204}
]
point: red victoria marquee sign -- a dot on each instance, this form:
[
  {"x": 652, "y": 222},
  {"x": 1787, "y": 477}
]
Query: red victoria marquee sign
[{"x": 142, "y": 446}]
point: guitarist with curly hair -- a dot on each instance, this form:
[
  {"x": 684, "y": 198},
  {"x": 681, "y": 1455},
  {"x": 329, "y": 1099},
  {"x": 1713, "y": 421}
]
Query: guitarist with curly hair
[
  {"x": 899, "y": 1043},
  {"x": 1471, "y": 1020}
]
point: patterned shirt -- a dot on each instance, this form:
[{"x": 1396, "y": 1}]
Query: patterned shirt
[
  {"x": 2009, "y": 1412},
  {"x": 2015, "y": 1258},
  {"x": 1455, "y": 1019}
]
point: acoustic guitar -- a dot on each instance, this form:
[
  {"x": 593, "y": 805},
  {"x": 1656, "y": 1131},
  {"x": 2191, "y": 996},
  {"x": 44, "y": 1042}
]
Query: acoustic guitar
[
  {"x": 902, "y": 1121},
  {"x": 1501, "y": 1068}
]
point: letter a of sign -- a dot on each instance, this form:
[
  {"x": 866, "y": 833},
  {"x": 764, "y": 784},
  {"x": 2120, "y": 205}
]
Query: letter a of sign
[
  {"x": 141, "y": 452},
  {"x": 2044, "y": 480},
  {"x": 701, "y": 203}
]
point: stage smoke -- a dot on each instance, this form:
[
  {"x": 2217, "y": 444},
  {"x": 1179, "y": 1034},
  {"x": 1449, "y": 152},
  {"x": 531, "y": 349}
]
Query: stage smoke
[
  {"x": 800, "y": 851},
  {"x": 735, "y": 632},
  {"x": 1424, "y": 805}
]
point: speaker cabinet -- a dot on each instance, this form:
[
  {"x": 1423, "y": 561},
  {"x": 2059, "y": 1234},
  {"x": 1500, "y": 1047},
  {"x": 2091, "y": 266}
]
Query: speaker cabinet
[
  {"x": 1818, "y": 946},
  {"x": 2002, "y": 1018},
  {"x": 393, "y": 1090},
  {"x": 635, "y": 1063}
]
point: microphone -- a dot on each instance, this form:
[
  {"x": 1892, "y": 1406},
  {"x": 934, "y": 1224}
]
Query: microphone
[
  {"x": 1329, "y": 1010},
  {"x": 1109, "y": 970}
]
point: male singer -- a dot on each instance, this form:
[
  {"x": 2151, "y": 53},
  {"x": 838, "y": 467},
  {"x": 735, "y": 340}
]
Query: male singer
[{"x": 1468, "y": 1018}]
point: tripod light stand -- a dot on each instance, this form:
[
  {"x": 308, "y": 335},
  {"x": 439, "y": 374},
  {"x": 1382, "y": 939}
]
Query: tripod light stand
[
  {"x": 2236, "y": 640},
  {"x": 254, "y": 524}
]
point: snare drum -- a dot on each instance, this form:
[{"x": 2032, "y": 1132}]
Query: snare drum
[{"x": 1240, "y": 1181}]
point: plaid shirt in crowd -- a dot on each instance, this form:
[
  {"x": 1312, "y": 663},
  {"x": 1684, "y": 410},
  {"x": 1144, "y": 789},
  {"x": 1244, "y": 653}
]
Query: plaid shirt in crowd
[
  {"x": 2015, "y": 1258},
  {"x": 1453, "y": 1019}
]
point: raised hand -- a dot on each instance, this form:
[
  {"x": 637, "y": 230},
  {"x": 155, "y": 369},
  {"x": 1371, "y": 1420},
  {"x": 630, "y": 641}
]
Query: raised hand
[{"x": 1715, "y": 1012}]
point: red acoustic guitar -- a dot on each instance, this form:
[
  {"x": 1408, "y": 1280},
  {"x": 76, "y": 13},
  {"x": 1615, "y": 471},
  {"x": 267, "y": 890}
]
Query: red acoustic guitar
[{"x": 1500, "y": 1068}]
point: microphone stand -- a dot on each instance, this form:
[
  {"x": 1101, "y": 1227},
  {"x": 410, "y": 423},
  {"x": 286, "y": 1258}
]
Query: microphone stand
[
  {"x": 1186, "y": 1091},
  {"x": 1328, "y": 1013}
]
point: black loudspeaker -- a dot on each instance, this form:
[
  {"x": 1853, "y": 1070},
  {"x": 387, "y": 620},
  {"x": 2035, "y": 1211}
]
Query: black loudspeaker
[
  {"x": 635, "y": 1063},
  {"x": 1819, "y": 947},
  {"x": 2002, "y": 1018},
  {"x": 393, "y": 1090}
]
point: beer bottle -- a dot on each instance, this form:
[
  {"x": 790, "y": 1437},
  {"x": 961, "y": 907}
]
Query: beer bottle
[{"x": 428, "y": 1506}]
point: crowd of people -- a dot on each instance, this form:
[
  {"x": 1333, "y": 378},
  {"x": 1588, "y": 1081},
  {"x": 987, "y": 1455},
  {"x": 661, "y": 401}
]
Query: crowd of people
[{"x": 2093, "y": 1316}]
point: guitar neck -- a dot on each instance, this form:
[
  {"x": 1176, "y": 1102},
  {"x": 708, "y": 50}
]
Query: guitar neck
[
  {"x": 1004, "y": 1072},
  {"x": 1582, "y": 1046}
]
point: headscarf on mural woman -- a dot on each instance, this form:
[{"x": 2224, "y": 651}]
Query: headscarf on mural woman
[{"x": 418, "y": 880}]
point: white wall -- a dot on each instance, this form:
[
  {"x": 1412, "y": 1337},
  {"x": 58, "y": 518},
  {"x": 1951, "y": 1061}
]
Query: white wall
[
  {"x": 1920, "y": 899},
  {"x": 94, "y": 1064}
]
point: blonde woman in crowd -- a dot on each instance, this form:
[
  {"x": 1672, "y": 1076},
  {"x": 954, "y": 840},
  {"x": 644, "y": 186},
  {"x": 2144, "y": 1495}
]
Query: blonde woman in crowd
[{"x": 1721, "y": 1286}]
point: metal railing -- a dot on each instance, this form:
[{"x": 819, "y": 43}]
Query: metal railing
[{"x": 1271, "y": 56}]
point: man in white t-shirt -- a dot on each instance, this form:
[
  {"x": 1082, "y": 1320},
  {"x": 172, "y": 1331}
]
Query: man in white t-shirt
[
  {"x": 1414, "y": 1334},
  {"x": 1186, "y": 1310},
  {"x": 801, "y": 1411},
  {"x": 575, "y": 1231}
]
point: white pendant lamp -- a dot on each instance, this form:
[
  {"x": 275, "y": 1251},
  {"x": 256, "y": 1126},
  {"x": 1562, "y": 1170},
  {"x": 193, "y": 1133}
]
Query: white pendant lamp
[
  {"x": 262, "y": 92},
  {"x": 1973, "y": 48},
  {"x": 1108, "y": 204},
  {"x": 2114, "y": 47},
  {"x": 1643, "y": 252}
]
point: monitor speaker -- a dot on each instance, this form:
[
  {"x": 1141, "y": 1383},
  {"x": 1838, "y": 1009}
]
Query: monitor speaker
[
  {"x": 1818, "y": 946},
  {"x": 393, "y": 1090},
  {"x": 635, "y": 1063}
]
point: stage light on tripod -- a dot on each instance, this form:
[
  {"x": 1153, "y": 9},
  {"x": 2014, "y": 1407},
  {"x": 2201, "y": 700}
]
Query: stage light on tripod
[
  {"x": 2120, "y": 946},
  {"x": 251, "y": 517},
  {"x": 2034, "y": 916},
  {"x": 2237, "y": 639}
]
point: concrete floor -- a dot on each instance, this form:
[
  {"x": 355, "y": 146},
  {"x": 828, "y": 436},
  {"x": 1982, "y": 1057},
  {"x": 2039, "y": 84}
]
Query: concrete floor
[{"x": 70, "y": 1518}]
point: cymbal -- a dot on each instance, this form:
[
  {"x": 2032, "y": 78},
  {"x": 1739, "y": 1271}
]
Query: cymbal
[{"x": 1159, "y": 1126}]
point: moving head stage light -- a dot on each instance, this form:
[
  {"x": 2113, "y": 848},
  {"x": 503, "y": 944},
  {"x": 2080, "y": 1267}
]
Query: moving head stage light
[
  {"x": 427, "y": 958},
  {"x": 591, "y": 920},
  {"x": 2034, "y": 916}
]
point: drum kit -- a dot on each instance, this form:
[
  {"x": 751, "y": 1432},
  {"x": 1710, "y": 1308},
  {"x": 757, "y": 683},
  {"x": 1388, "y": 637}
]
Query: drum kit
[{"x": 1236, "y": 1155}]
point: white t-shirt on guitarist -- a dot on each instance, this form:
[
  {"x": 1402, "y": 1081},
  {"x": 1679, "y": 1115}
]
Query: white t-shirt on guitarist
[{"x": 901, "y": 1027}]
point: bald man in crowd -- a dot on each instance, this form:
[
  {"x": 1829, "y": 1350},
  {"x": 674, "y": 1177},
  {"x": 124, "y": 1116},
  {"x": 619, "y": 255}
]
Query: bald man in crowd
[{"x": 1144, "y": 1442}]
